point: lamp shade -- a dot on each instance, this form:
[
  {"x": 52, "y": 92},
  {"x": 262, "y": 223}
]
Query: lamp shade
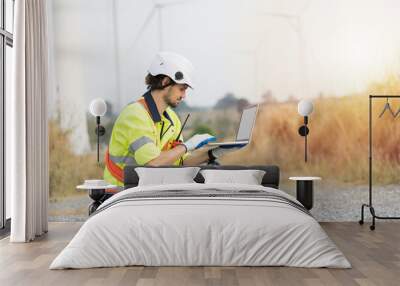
[
  {"x": 98, "y": 107},
  {"x": 305, "y": 107}
]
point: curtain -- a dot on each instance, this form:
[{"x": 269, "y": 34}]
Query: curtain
[{"x": 28, "y": 153}]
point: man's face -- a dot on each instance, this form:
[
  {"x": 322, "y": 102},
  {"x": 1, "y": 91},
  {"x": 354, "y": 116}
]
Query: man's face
[{"x": 175, "y": 94}]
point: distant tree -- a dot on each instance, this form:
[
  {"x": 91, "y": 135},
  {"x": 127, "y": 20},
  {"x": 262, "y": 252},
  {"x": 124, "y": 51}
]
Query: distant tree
[
  {"x": 229, "y": 100},
  {"x": 201, "y": 129},
  {"x": 223, "y": 126},
  {"x": 242, "y": 103},
  {"x": 292, "y": 98},
  {"x": 268, "y": 97},
  {"x": 110, "y": 108},
  {"x": 182, "y": 107}
]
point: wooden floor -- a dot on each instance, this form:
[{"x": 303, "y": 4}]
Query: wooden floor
[{"x": 375, "y": 257}]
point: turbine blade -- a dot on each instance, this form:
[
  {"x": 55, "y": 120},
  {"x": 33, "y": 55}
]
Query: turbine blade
[
  {"x": 142, "y": 29},
  {"x": 171, "y": 3}
]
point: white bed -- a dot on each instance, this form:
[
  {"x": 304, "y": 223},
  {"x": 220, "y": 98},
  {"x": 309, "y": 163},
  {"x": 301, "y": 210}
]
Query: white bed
[{"x": 224, "y": 225}]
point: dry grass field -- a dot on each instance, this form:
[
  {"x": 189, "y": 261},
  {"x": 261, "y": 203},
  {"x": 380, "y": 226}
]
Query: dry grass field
[
  {"x": 67, "y": 170},
  {"x": 338, "y": 139}
]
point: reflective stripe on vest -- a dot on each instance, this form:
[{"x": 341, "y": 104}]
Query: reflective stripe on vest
[
  {"x": 135, "y": 145},
  {"x": 114, "y": 169},
  {"x": 127, "y": 160}
]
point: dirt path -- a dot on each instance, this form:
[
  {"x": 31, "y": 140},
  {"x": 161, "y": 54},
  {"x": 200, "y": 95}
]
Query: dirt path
[{"x": 343, "y": 203}]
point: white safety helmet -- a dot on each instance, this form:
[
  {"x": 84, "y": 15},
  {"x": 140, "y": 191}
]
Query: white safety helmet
[{"x": 177, "y": 67}]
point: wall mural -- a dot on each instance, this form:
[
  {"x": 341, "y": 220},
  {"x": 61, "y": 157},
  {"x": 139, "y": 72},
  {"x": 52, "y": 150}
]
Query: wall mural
[{"x": 272, "y": 54}]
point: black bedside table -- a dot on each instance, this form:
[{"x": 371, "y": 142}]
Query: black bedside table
[
  {"x": 98, "y": 194},
  {"x": 304, "y": 190}
]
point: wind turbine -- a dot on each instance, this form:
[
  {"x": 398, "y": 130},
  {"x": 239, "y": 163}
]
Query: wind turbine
[
  {"x": 117, "y": 60},
  {"x": 157, "y": 10},
  {"x": 295, "y": 22}
]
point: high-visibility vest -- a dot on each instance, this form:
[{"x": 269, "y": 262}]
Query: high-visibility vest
[{"x": 139, "y": 135}]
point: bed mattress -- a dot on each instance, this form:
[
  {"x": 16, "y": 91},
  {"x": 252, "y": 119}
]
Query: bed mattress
[{"x": 201, "y": 225}]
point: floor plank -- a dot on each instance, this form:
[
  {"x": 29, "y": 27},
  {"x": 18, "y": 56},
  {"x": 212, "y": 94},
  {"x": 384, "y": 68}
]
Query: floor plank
[{"x": 375, "y": 257}]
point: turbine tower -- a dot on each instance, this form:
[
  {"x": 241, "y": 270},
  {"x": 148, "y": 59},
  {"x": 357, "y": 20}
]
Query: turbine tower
[
  {"x": 295, "y": 22},
  {"x": 254, "y": 54}
]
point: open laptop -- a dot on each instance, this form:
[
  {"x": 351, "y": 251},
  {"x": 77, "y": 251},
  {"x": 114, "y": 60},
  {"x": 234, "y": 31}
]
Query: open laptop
[{"x": 243, "y": 135}]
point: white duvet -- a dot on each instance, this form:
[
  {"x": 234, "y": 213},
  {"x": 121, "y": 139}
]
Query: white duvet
[{"x": 183, "y": 231}]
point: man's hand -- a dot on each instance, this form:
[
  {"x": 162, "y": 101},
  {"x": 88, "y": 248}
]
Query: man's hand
[{"x": 198, "y": 141}]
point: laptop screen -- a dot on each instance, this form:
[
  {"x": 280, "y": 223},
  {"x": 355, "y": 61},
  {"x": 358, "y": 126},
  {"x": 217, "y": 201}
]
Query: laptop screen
[{"x": 246, "y": 123}]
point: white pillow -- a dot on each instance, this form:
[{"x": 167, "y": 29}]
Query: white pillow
[
  {"x": 249, "y": 177},
  {"x": 165, "y": 176}
]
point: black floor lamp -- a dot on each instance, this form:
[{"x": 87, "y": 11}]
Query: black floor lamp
[{"x": 304, "y": 108}]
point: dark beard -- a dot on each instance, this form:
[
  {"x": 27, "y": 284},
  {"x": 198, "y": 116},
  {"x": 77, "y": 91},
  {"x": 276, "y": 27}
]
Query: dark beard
[{"x": 169, "y": 102}]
